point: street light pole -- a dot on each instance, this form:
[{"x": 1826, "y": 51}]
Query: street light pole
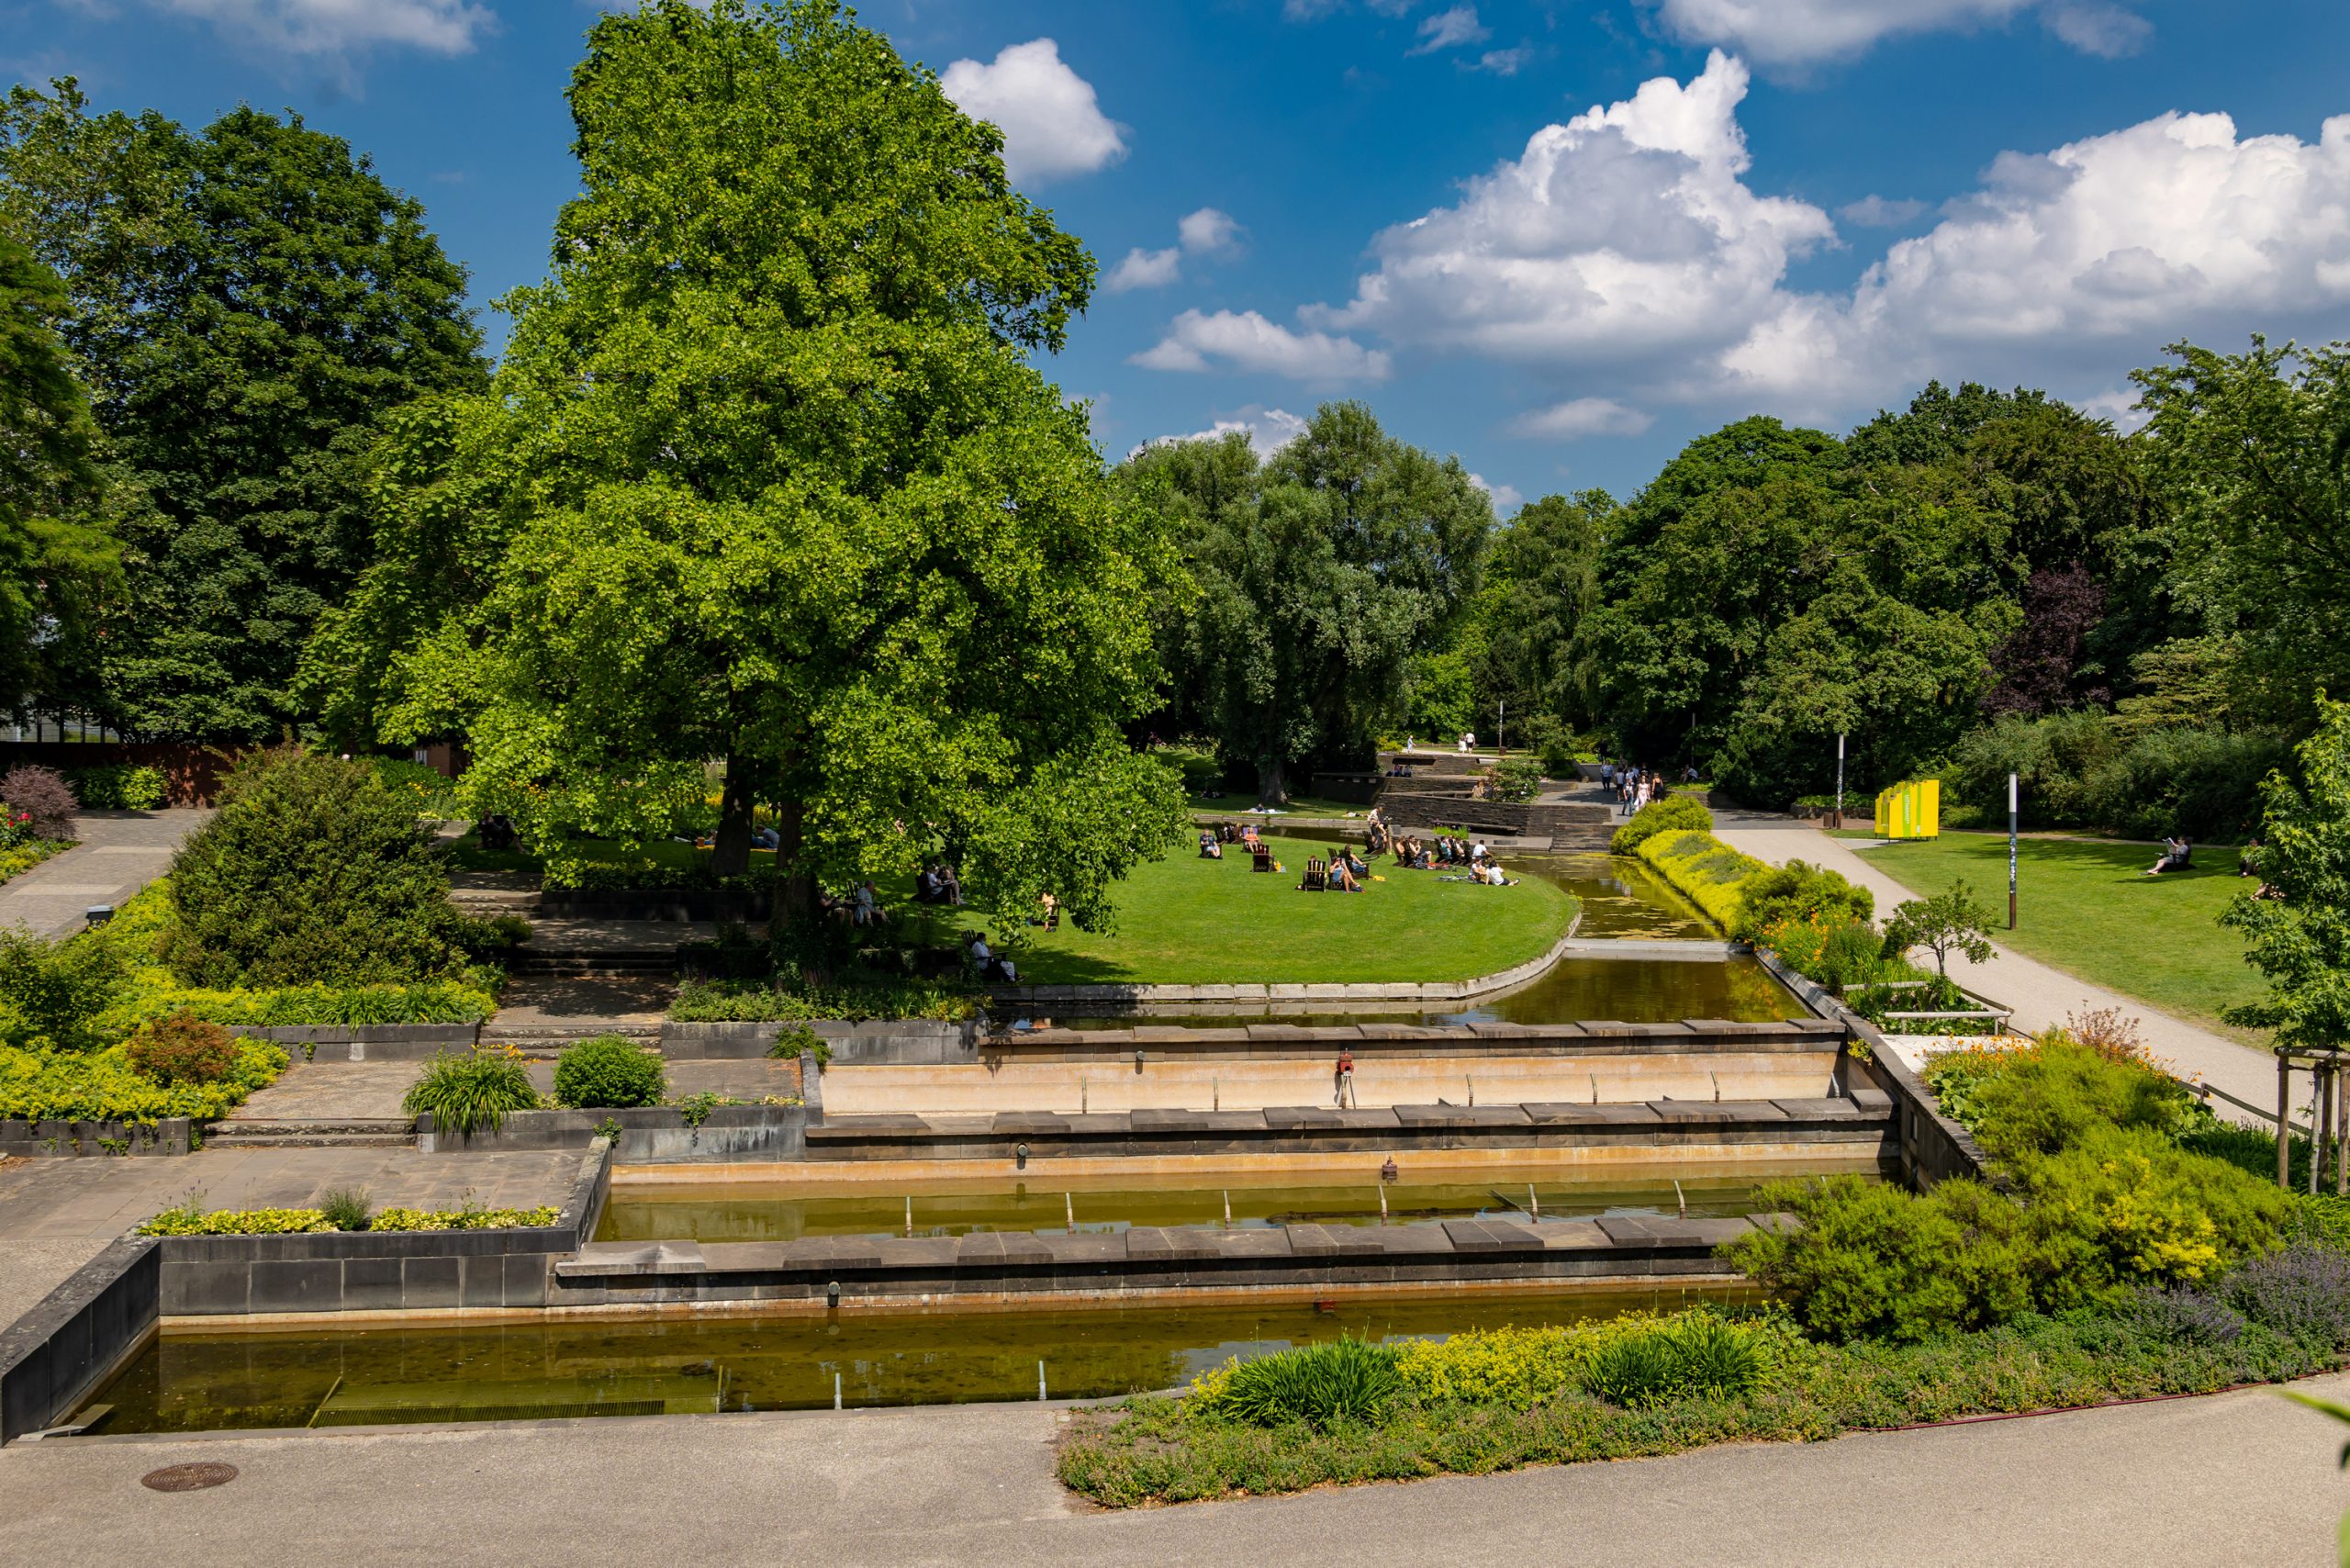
[
  {"x": 2011, "y": 854},
  {"x": 1840, "y": 779}
]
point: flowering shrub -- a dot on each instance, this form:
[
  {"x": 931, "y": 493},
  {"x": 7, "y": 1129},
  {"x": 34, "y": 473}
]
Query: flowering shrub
[
  {"x": 39, "y": 796},
  {"x": 101, "y": 1086},
  {"x": 468, "y": 1219},
  {"x": 1701, "y": 866}
]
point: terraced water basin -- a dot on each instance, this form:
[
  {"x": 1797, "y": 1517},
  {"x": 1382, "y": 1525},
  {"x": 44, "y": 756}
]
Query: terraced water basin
[
  {"x": 1628, "y": 990},
  {"x": 573, "y": 1367},
  {"x": 736, "y": 1211}
]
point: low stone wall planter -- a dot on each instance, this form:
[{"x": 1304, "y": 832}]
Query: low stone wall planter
[
  {"x": 73, "y": 1339},
  {"x": 95, "y": 1139},
  {"x": 365, "y": 1042},
  {"x": 652, "y": 1135},
  {"x": 888, "y": 1041}
]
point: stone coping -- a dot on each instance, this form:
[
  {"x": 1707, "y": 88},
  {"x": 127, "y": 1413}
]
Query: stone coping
[
  {"x": 1868, "y": 1116},
  {"x": 1595, "y": 1036},
  {"x": 1413, "y": 991},
  {"x": 1144, "y": 1260},
  {"x": 168, "y": 1135}
]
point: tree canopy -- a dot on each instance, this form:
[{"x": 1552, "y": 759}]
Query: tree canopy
[
  {"x": 768, "y": 475},
  {"x": 1320, "y": 571},
  {"x": 53, "y": 558},
  {"x": 243, "y": 304}
]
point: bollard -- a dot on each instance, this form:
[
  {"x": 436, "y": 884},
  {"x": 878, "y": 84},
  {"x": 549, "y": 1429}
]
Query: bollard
[
  {"x": 1084, "y": 1093},
  {"x": 1227, "y": 1208},
  {"x": 1594, "y": 1089},
  {"x": 1383, "y": 1202},
  {"x": 1040, "y": 1381},
  {"x": 1072, "y": 1203},
  {"x": 1533, "y": 1204},
  {"x": 1681, "y": 1197},
  {"x": 837, "y": 1391},
  {"x": 1216, "y": 1093},
  {"x": 1471, "y": 1078},
  {"x": 1718, "y": 1086},
  {"x": 909, "y": 1216}
]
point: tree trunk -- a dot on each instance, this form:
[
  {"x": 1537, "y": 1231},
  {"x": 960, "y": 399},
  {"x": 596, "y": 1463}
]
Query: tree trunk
[
  {"x": 1272, "y": 787},
  {"x": 730, "y": 854},
  {"x": 795, "y": 886}
]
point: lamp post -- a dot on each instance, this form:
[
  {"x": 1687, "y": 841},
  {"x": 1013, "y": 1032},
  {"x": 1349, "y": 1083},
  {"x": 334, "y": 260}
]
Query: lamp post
[
  {"x": 2011, "y": 852},
  {"x": 1840, "y": 780}
]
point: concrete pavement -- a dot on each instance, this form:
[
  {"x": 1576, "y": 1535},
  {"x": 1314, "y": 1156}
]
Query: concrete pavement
[
  {"x": 2243, "y": 1478},
  {"x": 118, "y": 854},
  {"x": 2041, "y": 995}
]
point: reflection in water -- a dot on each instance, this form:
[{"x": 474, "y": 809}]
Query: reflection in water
[
  {"x": 517, "y": 1371},
  {"x": 742, "y": 1212}
]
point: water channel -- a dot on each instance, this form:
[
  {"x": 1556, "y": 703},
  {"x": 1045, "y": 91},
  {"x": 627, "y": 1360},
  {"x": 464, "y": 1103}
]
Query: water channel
[{"x": 570, "y": 1367}]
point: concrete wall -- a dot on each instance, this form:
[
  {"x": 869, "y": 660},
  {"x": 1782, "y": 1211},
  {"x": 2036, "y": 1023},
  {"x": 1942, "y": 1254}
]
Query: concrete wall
[
  {"x": 1934, "y": 1148},
  {"x": 653, "y": 1135},
  {"x": 1164, "y": 1083},
  {"x": 52, "y": 1358},
  {"x": 30, "y": 1141},
  {"x": 910, "y": 1040},
  {"x": 365, "y": 1042},
  {"x": 207, "y": 1276}
]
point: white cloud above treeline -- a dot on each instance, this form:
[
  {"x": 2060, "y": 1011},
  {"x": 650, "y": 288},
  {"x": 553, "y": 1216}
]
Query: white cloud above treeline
[
  {"x": 1206, "y": 232},
  {"x": 1246, "y": 341},
  {"x": 339, "y": 29},
  {"x": 1052, "y": 123},
  {"x": 1627, "y": 248},
  {"x": 1801, "y": 32}
]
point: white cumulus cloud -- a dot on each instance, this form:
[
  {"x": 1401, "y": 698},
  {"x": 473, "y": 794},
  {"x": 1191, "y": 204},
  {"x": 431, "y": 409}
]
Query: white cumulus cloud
[
  {"x": 1581, "y": 417},
  {"x": 1268, "y": 429},
  {"x": 1245, "y": 340},
  {"x": 1624, "y": 233},
  {"x": 1207, "y": 232},
  {"x": 339, "y": 28},
  {"x": 1450, "y": 29},
  {"x": 1052, "y": 124},
  {"x": 1507, "y": 498},
  {"x": 1796, "y": 32},
  {"x": 2105, "y": 248}
]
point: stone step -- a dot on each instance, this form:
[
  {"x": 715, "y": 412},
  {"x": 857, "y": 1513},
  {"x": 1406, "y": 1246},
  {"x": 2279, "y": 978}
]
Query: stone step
[
  {"x": 579, "y": 966},
  {"x": 329, "y": 1133}
]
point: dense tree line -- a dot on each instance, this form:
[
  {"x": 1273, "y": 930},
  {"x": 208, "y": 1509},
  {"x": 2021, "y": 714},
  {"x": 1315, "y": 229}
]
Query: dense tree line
[{"x": 769, "y": 477}]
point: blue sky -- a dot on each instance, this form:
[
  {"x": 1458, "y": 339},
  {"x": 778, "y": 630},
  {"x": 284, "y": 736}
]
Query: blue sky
[{"x": 1559, "y": 240}]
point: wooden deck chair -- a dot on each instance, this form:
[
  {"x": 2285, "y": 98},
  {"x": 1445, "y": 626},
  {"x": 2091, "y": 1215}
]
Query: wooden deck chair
[
  {"x": 1262, "y": 857},
  {"x": 1318, "y": 877}
]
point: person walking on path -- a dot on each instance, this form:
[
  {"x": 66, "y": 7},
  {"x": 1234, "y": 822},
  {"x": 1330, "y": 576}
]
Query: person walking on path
[{"x": 1344, "y": 1087}]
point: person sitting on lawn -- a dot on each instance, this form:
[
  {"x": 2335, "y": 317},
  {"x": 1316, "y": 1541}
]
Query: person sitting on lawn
[
  {"x": 1048, "y": 913},
  {"x": 1354, "y": 863},
  {"x": 1491, "y": 875},
  {"x": 864, "y": 908},
  {"x": 986, "y": 964},
  {"x": 1209, "y": 848},
  {"x": 1478, "y": 852},
  {"x": 2175, "y": 857},
  {"x": 2248, "y": 863},
  {"x": 1341, "y": 879},
  {"x": 926, "y": 887}
]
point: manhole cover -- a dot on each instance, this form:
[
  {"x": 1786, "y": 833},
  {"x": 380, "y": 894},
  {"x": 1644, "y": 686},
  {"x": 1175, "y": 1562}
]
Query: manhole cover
[{"x": 188, "y": 1477}]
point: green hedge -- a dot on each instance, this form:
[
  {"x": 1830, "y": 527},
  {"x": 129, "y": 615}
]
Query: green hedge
[
  {"x": 1675, "y": 813},
  {"x": 118, "y": 787},
  {"x": 101, "y": 1086},
  {"x": 1710, "y": 872}
]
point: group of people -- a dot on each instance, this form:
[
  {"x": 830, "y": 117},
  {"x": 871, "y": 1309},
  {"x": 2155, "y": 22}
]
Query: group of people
[
  {"x": 1214, "y": 839},
  {"x": 937, "y": 883},
  {"x": 1348, "y": 870},
  {"x": 860, "y": 906},
  {"x": 1415, "y": 854},
  {"x": 1632, "y": 787}
]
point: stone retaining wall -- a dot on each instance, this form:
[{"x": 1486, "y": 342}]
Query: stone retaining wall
[
  {"x": 364, "y": 1042},
  {"x": 1145, "y": 1261},
  {"x": 87, "y": 1140},
  {"x": 650, "y": 1135},
  {"x": 52, "y": 1357}
]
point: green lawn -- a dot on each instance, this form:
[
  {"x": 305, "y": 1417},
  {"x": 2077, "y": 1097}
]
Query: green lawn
[
  {"x": 1210, "y": 921},
  {"x": 2083, "y": 908}
]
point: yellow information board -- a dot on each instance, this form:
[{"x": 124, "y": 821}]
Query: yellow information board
[{"x": 1910, "y": 811}]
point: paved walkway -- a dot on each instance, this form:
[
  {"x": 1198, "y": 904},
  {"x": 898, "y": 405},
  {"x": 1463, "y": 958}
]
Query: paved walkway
[
  {"x": 2041, "y": 995},
  {"x": 119, "y": 853},
  {"x": 2241, "y": 1478},
  {"x": 370, "y": 1090}
]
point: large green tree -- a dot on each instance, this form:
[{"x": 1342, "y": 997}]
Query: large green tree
[
  {"x": 54, "y": 553},
  {"x": 2297, "y": 930},
  {"x": 1321, "y": 573},
  {"x": 1541, "y": 580},
  {"x": 2253, "y": 453},
  {"x": 768, "y": 475},
  {"x": 245, "y": 305}
]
